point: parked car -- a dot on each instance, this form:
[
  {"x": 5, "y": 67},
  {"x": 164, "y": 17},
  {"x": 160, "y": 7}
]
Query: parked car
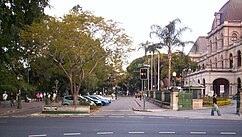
[
  {"x": 104, "y": 101},
  {"x": 97, "y": 102},
  {"x": 102, "y": 97},
  {"x": 68, "y": 100}
]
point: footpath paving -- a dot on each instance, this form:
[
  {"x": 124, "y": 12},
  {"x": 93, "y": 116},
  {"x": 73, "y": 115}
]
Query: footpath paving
[
  {"x": 228, "y": 112},
  {"x": 27, "y": 108}
]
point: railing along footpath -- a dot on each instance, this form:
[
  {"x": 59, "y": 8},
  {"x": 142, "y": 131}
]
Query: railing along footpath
[{"x": 160, "y": 97}]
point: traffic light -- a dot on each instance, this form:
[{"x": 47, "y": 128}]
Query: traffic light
[{"x": 144, "y": 73}]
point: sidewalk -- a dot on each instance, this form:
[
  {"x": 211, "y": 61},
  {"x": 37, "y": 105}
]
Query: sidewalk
[
  {"x": 228, "y": 112},
  {"x": 26, "y": 107}
]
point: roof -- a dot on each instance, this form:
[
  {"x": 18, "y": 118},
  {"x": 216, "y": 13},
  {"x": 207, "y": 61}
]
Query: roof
[
  {"x": 231, "y": 11},
  {"x": 200, "y": 46}
]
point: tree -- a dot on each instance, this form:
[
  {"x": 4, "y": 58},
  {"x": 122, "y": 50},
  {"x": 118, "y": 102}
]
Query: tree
[
  {"x": 169, "y": 38},
  {"x": 78, "y": 43},
  {"x": 14, "y": 15}
]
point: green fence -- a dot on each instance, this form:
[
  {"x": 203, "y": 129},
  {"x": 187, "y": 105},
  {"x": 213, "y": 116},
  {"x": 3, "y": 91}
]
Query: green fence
[
  {"x": 184, "y": 101},
  {"x": 167, "y": 96},
  {"x": 158, "y": 95}
]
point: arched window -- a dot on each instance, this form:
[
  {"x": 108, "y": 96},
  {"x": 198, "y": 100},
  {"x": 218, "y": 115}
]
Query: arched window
[
  {"x": 239, "y": 58},
  {"x": 216, "y": 44},
  {"x": 230, "y": 60},
  {"x": 216, "y": 64},
  {"x": 198, "y": 81},
  {"x": 203, "y": 66},
  {"x": 234, "y": 37},
  {"x": 222, "y": 62}
]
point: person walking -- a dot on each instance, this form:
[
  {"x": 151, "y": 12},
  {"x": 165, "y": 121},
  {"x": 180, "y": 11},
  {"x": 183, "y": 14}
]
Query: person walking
[
  {"x": 215, "y": 106},
  {"x": 12, "y": 100},
  {"x": 4, "y": 97}
]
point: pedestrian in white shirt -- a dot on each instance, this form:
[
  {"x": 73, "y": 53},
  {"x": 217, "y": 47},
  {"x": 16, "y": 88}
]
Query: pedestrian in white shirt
[{"x": 5, "y": 96}]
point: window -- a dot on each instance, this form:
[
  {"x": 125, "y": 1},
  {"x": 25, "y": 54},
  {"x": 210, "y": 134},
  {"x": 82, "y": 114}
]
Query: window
[
  {"x": 234, "y": 37},
  {"x": 216, "y": 44},
  {"x": 230, "y": 61},
  {"x": 222, "y": 62},
  {"x": 239, "y": 58},
  {"x": 216, "y": 64}
]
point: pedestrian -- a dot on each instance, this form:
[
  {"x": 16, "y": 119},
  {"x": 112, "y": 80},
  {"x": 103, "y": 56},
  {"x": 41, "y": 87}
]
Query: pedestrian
[
  {"x": 12, "y": 100},
  {"x": 215, "y": 106},
  {"x": 4, "y": 97}
]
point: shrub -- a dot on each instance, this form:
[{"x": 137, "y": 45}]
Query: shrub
[{"x": 208, "y": 101}]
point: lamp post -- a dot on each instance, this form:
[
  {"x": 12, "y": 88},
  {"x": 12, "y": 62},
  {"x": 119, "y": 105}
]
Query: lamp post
[
  {"x": 174, "y": 75},
  {"x": 56, "y": 89}
]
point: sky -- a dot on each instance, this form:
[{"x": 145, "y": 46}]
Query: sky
[{"x": 136, "y": 16}]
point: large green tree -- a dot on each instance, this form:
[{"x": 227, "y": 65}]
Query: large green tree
[
  {"x": 78, "y": 43},
  {"x": 169, "y": 38},
  {"x": 14, "y": 15}
]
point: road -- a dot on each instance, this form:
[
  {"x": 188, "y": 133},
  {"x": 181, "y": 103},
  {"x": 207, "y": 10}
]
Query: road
[
  {"x": 118, "y": 126},
  {"x": 117, "y": 119}
]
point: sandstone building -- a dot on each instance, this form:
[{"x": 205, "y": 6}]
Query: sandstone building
[{"x": 218, "y": 54}]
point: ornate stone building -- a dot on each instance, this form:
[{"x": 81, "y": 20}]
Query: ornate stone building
[{"x": 218, "y": 54}]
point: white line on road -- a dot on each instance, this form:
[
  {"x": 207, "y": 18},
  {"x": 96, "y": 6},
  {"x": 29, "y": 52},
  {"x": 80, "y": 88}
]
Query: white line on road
[
  {"x": 228, "y": 133},
  {"x": 136, "y": 132},
  {"x": 156, "y": 117},
  {"x": 167, "y": 132},
  {"x": 43, "y": 135},
  {"x": 198, "y": 133},
  {"x": 116, "y": 116},
  {"x": 104, "y": 133},
  {"x": 96, "y": 116},
  {"x": 136, "y": 116},
  {"x": 71, "y": 134}
]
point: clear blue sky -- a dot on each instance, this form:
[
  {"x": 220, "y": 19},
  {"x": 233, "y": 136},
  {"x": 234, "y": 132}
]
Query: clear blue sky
[{"x": 136, "y": 16}]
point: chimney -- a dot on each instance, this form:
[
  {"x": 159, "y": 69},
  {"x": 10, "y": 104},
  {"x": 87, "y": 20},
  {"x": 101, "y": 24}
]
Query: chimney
[{"x": 217, "y": 18}]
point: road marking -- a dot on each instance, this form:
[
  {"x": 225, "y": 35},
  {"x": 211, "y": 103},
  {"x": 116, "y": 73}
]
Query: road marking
[
  {"x": 71, "y": 134},
  {"x": 43, "y": 135},
  {"x": 167, "y": 132},
  {"x": 96, "y": 116},
  {"x": 104, "y": 133},
  {"x": 228, "y": 133},
  {"x": 156, "y": 117},
  {"x": 198, "y": 133},
  {"x": 19, "y": 116},
  {"x": 116, "y": 116},
  {"x": 136, "y": 132},
  {"x": 136, "y": 116}
]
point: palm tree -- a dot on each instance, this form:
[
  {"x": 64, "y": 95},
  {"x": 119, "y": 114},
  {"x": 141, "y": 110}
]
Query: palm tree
[{"x": 169, "y": 37}]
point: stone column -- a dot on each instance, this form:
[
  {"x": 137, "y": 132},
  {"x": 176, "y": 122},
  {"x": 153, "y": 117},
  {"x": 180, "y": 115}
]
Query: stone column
[{"x": 174, "y": 99}]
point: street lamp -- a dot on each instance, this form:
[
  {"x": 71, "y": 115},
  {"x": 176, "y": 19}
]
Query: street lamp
[
  {"x": 56, "y": 89},
  {"x": 174, "y": 75}
]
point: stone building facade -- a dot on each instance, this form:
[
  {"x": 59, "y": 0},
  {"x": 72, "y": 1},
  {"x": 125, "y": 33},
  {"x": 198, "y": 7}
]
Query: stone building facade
[{"x": 218, "y": 54}]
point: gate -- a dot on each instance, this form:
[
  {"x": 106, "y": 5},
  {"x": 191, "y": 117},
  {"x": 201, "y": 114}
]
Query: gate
[{"x": 184, "y": 101}]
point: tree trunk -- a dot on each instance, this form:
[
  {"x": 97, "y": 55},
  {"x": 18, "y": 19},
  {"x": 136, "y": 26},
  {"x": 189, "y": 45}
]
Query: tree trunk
[{"x": 169, "y": 67}]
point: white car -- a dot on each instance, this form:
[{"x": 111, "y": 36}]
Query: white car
[{"x": 68, "y": 100}]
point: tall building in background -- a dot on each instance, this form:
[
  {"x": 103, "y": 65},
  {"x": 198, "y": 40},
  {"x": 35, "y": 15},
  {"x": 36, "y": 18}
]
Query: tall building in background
[{"x": 218, "y": 54}]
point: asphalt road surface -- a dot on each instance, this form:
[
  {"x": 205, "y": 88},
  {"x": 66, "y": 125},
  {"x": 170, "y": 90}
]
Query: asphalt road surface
[{"x": 117, "y": 126}]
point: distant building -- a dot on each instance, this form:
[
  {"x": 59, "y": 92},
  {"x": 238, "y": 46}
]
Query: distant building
[{"x": 218, "y": 54}]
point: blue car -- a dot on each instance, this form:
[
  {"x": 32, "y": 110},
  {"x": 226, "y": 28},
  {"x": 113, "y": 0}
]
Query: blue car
[{"x": 104, "y": 101}]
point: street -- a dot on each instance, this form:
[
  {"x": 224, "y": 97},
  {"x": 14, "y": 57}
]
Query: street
[{"x": 118, "y": 126}]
